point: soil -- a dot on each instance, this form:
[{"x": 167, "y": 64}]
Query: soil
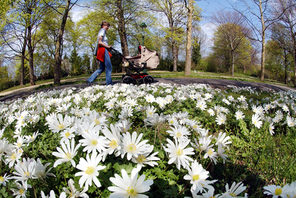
[{"x": 215, "y": 83}]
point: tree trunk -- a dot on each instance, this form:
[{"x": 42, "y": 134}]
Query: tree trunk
[
  {"x": 59, "y": 43},
  {"x": 263, "y": 42},
  {"x": 31, "y": 55},
  {"x": 188, "y": 39},
  {"x": 121, "y": 28},
  {"x": 175, "y": 56},
  {"x": 232, "y": 63},
  {"x": 286, "y": 66},
  {"x": 22, "y": 69}
]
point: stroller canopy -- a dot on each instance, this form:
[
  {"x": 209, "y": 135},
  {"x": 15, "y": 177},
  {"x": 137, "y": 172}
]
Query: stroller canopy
[{"x": 149, "y": 58}]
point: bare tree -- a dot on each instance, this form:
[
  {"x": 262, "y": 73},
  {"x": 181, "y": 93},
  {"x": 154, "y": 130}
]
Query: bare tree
[{"x": 285, "y": 10}]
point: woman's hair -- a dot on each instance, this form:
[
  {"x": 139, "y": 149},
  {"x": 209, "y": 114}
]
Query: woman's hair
[{"x": 105, "y": 23}]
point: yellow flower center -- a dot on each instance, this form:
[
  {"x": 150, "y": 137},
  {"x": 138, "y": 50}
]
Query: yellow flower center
[
  {"x": 232, "y": 195},
  {"x": 278, "y": 191},
  {"x": 97, "y": 122},
  {"x": 27, "y": 173},
  {"x": 194, "y": 126},
  {"x": 178, "y": 134},
  {"x": 1, "y": 179},
  {"x": 210, "y": 152},
  {"x": 21, "y": 191},
  {"x": 68, "y": 156},
  {"x": 195, "y": 177},
  {"x": 61, "y": 126},
  {"x": 113, "y": 144},
  {"x": 172, "y": 122},
  {"x": 212, "y": 197},
  {"x": 94, "y": 142},
  {"x": 19, "y": 144},
  {"x": 90, "y": 170},
  {"x": 67, "y": 134},
  {"x": 141, "y": 159},
  {"x": 131, "y": 192},
  {"x": 179, "y": 152},
  {"x": 150, "y": 113},
  {"x": 13, "y": 156},
  {"x": 131, "y": 148}
]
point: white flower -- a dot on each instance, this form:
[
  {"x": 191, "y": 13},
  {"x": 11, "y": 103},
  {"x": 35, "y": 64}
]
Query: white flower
[
  {"x": 211, "y": 112},
  {"x": 4, "y": 179},
  {"x": 203, "y": 143},
  {"x": 179, "y": 132},
  {"x": 146, "y": 158},
  {"x": 89, "y": 170},
  {"x": 201, "y": 104},
  {"x": 52, "y": 195},
  {"x": 223, "y": 139},
  {"x": 275, "y": 191},
  {"x": 150, "y": 110},
  {"x": 113, "y": 138},
  {"x": 68, "y": 133},
  {"x": 57, "y": 123},
  {"x": 256, "y": 120},
  {"x": 239, "y": 115},
  {"x": 40, "y": 170},
  {"x": 129, "y": 186},
  {"x": 197, "y": 176},
  {"x": 234, "y": 191},
  {"x": 66, "y": 153},
  {"x": 291, "y": 122},
  {"x": 271, "y": 128},
  {"x": 24, "y": 169},
  {"x": 211, "y": 154},
  {"x": 73, "y": 193},
  {"x": 21, "y": 190},
  {"x": 221, "y": 152},
  {"x": 93, "y": 142},
  {"x": 221, "y": 118},
  {"x": 12, "y": 157},
  {"x": 133, "y": 146},
  {"x": 124, "y": 125},
  {"x": 150, "y": 98},
  {"x": 178, "y": 153}
]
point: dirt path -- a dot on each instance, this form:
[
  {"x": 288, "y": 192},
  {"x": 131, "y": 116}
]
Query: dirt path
[{"x": 215, "y": 83}]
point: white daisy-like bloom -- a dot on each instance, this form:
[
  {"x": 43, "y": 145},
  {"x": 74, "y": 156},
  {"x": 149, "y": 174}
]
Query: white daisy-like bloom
[
  {"x": 285, "y": 108},
  {"x": 20, "y": 190},
  {"x": 68, "y": 134},
  {"x": 201, "y": 104},
  {"x": 273, "y": 190},
  {"x": 132, "y": 145},
  {"x": 89, "y": 170},
  {"x": 161, "y": 102},
  {"x": 211, "y": 153},
  {"x": 226, "y": 101},
  {"x": 52, "y": 195},
  {"x": 150, "y": 98},
  {"x": 57, "y": 123},
  {"x": 24, "y": 169},
  {"x": 124, "y": 125},
  {"x": 239, "y": 115},
  {"x": 234, "y": 191},
  {"x": 221, "y": 152},
  {"x": 172, "y": 120},
  {"x": 208, "y": 194},
  {"x": 20, "y": 142},
  {"x": 223, "y": 139},
  {"x": 291, "y": 122},
  {"x": 221, "y": 118},
  {"x": 256, "y": 120},
  {"x": 179, "y": 132},
  {"x": 150, "y": 110},
  {"x": 4, "y": 178},
  {"x": 113, "y": 143},
  {"x": 178, "y": 153},
  {"x": 125, "y": 113},
  {"x": 278, "y": 116},
  {"x": 1, "y": 132},
  {"x": 31, "y": 138},
  {"x": 5, "y": 147},
  {"x": 129, "y": 186},
  {"x": 73, "y": 192},
  {"x": 271, "y": 128},
  {"x": 40, "y": 170},
  {"x": 211, "y": 112},
  {"x": 258, "y": 110},
  {"x": 66, "y": 153},
  {"x": 289, "y": 190},
  {"x": 12, "y": 157},
  {"x": 197, "y": 175},
  {"x": 242, "y": 98},
  {"x": 146, "y": 158},
  {"x": 93, "y": 142},
  {"x": 204, "y": 143}
]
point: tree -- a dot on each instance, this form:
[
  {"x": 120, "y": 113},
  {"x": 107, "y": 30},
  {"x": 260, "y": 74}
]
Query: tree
[
  {"x": 285, "y": 10},
  {"x": 196, "y": 55},
  {"x": 231, "y": 32},
  {"x": 75, "y": 61},
  {"x": 59, "y": 42},
  {"x": 188, "y": 38},
  {"x": 230, "y": 44}
]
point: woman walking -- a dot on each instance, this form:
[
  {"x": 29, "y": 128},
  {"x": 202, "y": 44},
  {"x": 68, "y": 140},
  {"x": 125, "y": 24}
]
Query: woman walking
[{"x": 103, "y": 55}]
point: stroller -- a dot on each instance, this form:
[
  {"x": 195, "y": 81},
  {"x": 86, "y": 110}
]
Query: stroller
[{"x": 135, "y": 66}]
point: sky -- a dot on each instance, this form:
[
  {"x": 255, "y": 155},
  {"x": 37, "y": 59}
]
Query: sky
[{"x": 209, "y": 7}]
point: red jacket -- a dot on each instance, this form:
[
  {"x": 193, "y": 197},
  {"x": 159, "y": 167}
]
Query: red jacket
[{"x": 101, "y": 54}]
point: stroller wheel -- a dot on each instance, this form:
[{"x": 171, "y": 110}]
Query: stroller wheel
[
  {"x": 128, "y": 80},
  {"x": 148, "y": 79}
]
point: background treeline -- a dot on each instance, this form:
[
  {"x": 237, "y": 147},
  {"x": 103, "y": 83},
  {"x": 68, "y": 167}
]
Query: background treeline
[{"x": 40, "y": 40}]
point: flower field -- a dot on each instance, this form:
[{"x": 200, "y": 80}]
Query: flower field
[{"x": 156, "y": 140}]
